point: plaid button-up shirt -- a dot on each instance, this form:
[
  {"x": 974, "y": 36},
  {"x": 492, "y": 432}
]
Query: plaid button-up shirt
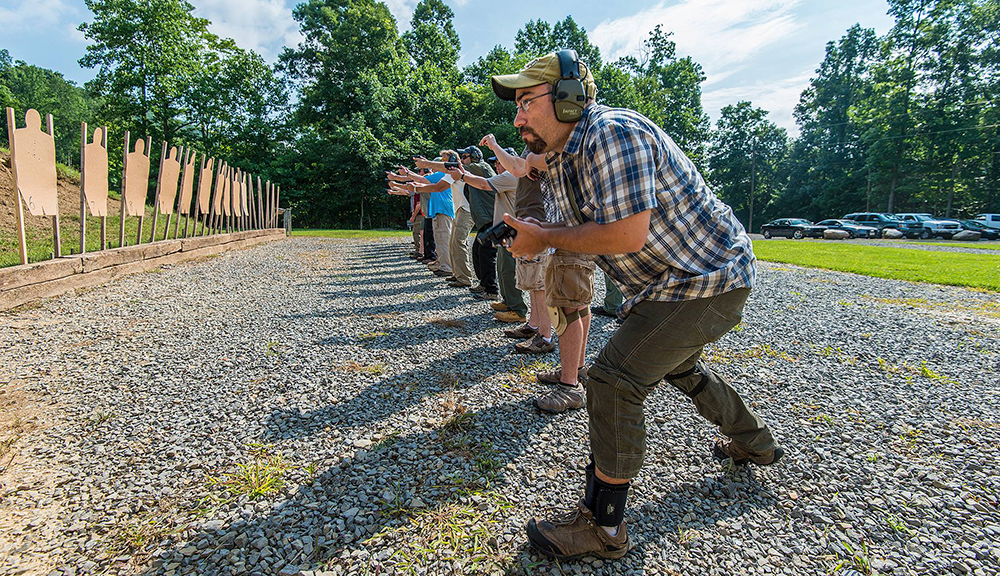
[{"x": 618, "y": 163}]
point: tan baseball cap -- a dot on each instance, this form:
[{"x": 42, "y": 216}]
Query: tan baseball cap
[{"x": 541, "y": 70}]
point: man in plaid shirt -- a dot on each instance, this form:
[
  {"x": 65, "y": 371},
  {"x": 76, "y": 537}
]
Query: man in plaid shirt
[{"x": 684, "y": 264}]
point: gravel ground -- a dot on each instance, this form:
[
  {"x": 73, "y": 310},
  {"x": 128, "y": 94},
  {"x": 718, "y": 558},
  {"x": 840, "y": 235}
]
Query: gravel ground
[{"x": 406, "y": 442}]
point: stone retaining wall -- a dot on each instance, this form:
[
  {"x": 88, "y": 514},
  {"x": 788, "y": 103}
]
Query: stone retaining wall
[{"x": 26, "y": 283}]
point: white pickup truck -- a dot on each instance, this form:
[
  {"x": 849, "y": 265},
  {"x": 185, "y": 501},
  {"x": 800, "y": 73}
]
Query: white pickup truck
[{"x": 920, "y": 225}]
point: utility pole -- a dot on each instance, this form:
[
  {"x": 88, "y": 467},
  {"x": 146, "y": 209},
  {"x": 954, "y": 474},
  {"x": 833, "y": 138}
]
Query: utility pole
[{"x": 753, "y": 181}]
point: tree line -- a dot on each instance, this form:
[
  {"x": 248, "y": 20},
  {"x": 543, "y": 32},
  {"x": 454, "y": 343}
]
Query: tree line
[{"x": 906, "y": 121}]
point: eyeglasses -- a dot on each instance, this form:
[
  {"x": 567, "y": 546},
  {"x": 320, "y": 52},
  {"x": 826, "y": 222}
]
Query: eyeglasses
[
  {"x": 465, "y": 156},
  {"x": 523, "y": 105}
]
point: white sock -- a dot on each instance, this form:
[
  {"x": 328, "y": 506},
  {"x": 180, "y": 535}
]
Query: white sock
[
  {"x": 611, "y": 530},
  {"x": 547, "y": 339}
]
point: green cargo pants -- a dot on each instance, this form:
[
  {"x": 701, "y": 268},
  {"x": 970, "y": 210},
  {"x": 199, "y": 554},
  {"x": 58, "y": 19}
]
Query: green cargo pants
[
  {"x": 509, "y": 293},
  {"x": 658, "y": 340}
]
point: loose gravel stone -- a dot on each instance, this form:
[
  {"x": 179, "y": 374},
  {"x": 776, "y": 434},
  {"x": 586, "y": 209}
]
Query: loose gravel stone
[{"x": 404, "y": 429}]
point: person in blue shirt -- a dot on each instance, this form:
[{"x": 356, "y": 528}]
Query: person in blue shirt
[{"x": 440, "y": 210}]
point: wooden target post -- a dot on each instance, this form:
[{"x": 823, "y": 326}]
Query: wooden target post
[
  {"x": 33, "y": 167},
  {"x": 93, "y": 182}
]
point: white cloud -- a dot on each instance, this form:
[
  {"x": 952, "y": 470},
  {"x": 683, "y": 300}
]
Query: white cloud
[
  {"x": 719, "y": 34},
  {"x": 264, "y": 26},
  {"x": 35, "y": 14},
  {"x": 778, "y": 97}
]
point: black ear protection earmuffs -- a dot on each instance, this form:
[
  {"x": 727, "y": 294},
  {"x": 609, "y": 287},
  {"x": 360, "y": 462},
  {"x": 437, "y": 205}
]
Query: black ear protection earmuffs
[{"x": 569, "y": 97}]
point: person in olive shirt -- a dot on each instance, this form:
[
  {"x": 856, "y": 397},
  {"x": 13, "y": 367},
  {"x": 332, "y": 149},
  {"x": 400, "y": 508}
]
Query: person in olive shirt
[{"x": 484, "y": 255}]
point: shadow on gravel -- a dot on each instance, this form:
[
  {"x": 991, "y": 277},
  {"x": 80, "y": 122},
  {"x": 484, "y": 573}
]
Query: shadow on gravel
[
  {"x": 402, "y": 497},
  {"x": 390, "y": 395},
  {"x": 421, "y": 306},
  {"x": 390, "y": 338}
]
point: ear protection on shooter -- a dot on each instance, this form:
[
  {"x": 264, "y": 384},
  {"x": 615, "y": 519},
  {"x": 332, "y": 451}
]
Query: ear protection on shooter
[{"x": 569, "y": 97}]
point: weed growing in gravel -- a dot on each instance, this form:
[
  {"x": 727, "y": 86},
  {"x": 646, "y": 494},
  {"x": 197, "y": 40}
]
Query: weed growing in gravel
[
  {"x": 836, "y": 353},
  {"x": 375, "y": 369},
  {"x": 524, "y": 373},
  {"x": 388, "y": 440},
  {"x": 970, "y": 423},
  {"x": 855, "y": 560},
  {"x": 394, "y": 505},
  {"x": 872, "y": 457},
  {"x": 991, "y": 309},
  {"x": 262, "y": 476},
  {"x": 457, "y": 534},
  {"x": 372, "y": 335},
  {"x": 100, "y": 417},
  {"x": 898, "y": 525},
  {"x": 273, "y": 349},
  {"x": 722, "y": 356},
  {"x": 8, "y": 444},
  {"x": 132, "y": 537},
  {"x": 311, "y": 469},
  {"x": 685, "y": 536}
]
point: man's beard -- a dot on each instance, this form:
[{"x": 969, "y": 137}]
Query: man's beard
[{"x": 537, "y": 145}]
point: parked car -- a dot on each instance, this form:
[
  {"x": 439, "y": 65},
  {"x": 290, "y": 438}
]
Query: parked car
[
  {"x": 787, "y": 227},
  {"x": 878, "y": 220},
  {"x": 986, "y": 233},
  {"x": 922, "y": 225},
  {"x": 991, "y": 220},
  {"x": 853, "y": 229}
]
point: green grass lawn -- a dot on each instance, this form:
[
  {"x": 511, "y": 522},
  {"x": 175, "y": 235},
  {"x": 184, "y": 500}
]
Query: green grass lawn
[
  {"x": 964, "y": 245},
  {"x": 952, "y": 268},
  {"x": 318, "y": 233},
  {"x": 40, "y": 242}
]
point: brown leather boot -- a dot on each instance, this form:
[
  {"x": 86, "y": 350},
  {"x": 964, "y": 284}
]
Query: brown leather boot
[
  {"x": 724, "y": 449},
  {"x": 576, "y": 534}
]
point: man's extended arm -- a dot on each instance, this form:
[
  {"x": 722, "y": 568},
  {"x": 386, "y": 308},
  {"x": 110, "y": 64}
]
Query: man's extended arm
[
  {"x": 460, "y": 174},
  {"x": 619, "y": 237}
]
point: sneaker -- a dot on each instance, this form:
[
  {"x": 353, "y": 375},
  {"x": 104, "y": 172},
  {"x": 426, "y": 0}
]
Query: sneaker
[
  {"x": 487, "y": 296},
  {"x": 725, "y": 448},
  {"x": 576, "y": 534},
  {"x": 477, "y": 289},
  {"x": 441, "y": 273},
  {"x": 499, "y": 307},
  {"x": 537, "y": 345},
  {"x": 510, "y": 317},
  {"x": 555, "y": 376},
  {"x": 457, "y": 284},
  {"x": 523, "y": 331},
  {"x": 451, "y": 278},
  {"x": 561, "y": 399},
  {"x": 426, "y": 260}
]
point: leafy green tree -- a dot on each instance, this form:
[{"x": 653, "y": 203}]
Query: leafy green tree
[
  {"x": 665, "y": 88},
  {"x": 24, "y": 86},
  {"x": 6, "y": 97},
  {"x": 745, "y": 159},
  {"x": 147, "y": 55},
  {"x": 356, "y": 115},
  {"x": 827, "y": 170}
]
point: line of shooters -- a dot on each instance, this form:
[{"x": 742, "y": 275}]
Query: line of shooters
[
  {"x": 458, "y": 192},
  {"x": 231, "y": 206}
]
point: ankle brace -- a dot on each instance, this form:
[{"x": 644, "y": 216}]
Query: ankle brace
[{"x": 606, "y": 501}]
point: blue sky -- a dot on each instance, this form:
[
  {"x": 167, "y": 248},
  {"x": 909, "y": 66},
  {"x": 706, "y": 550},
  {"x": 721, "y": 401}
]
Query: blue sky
[{"x": 764, "y": 51}]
